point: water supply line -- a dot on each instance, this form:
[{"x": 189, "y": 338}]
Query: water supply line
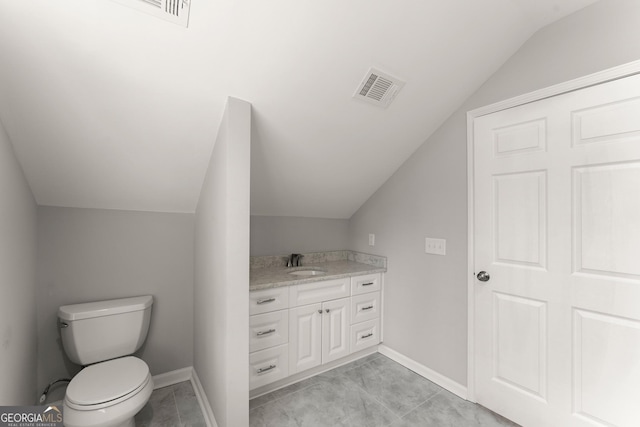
[{"x": 43, "y": 396}]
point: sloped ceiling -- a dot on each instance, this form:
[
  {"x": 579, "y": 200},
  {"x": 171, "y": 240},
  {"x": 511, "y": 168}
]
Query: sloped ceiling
[{"x": 108, "y": 107}]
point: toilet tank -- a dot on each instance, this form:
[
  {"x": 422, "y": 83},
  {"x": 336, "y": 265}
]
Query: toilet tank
[{"x": 102, "y": 330}]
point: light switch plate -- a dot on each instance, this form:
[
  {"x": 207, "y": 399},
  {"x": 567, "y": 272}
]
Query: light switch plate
[
  {"x": 435, "y": 246},
  {"x": 372, "y": 239}
]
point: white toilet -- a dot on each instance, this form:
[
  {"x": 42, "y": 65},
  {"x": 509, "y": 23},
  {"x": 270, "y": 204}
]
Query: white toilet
[{"x": 113, "y": 386}]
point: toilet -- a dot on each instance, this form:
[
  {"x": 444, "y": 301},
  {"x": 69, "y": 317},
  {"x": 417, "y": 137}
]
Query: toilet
[{"x": 113, "y": 386}]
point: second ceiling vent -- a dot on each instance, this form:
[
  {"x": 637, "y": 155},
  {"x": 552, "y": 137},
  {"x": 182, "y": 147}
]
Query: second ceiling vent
[{"x": 378, "y": 88}]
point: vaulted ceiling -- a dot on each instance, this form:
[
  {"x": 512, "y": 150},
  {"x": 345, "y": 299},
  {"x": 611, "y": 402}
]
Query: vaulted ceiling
[{"x": 109, "y": 107}]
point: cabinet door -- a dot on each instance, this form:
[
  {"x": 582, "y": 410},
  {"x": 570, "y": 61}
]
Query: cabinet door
[
  {"x": 335, "y": 329},
  {"x": 305, "y": 327}
]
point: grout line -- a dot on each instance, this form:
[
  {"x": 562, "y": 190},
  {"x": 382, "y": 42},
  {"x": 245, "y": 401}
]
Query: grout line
[
  {"x": 375, "y": 399},
  {"x": 417, "y": 406},
  {"x": 382, "y": 404},
  {"x": 369, "y": 395},
  {"x": 175, "y": 403},
  {"x": 282, "y": 397},
  {"x": 379, "y": 402}
]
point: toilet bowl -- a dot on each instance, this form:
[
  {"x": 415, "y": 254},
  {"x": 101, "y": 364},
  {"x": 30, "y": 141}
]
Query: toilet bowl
[
  {"x": 113, "y": 386},
  {"x": 108, "y": 394}
]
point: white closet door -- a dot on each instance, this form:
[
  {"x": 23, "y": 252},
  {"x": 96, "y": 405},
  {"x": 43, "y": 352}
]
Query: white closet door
[{"x": 557, "y": 229}]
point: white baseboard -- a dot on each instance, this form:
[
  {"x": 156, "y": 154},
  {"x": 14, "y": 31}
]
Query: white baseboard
[
  {"x": 172, "y": 377},
  {"x": 188, "y": 374},
  {"x": 207, "y": 412},
  {"x": 433, "y": 376}
]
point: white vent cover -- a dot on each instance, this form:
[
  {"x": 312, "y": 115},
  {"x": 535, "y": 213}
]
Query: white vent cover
[
  {"x": 378, "y": 88},
  {"x": 176, "y": 11}
]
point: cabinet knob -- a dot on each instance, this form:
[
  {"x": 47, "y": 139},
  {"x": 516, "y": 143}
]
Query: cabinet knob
[
  {"x": 327, "y": 310},
  {"x": 320, "y": 311}
]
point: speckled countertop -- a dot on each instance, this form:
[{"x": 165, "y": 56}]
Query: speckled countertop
[{"x": 273, "y": 276}]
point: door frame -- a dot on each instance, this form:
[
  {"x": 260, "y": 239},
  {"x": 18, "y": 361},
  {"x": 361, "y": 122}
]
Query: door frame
[{"x": 600, "y": 77}]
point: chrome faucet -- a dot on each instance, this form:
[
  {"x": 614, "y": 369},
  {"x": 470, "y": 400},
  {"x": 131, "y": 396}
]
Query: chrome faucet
[{"x": 295, "y": 260}]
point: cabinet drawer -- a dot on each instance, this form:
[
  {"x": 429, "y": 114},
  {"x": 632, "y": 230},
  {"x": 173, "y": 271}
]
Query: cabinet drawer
[
  {"x": 310, "y": 293},
  {"x": 267, "y": 366},
  {"x": 364, "y": 284},
  {"x": 267, "y": 300},
  {"x": 365, "y": 334},
  {"x": 268, "y": 330},
  {"x": 365, "y": 307}
]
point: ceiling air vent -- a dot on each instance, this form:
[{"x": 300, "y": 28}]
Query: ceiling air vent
[
  {"x": 378, "y": 88},
  {"x": 176, "y": 11}
]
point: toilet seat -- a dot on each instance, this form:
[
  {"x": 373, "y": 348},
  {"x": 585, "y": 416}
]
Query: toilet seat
[{"x": 107, "y": 383}]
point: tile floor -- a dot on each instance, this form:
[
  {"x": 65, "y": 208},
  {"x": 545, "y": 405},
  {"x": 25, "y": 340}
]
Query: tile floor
[
  {"x": 369, "y": 392},
  {"x": 171, "y": 406},
  {"x": 373, "y": 391}
]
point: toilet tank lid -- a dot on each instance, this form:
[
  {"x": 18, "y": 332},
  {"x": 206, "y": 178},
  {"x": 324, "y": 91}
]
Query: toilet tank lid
[{"x": 89, "y": 310}]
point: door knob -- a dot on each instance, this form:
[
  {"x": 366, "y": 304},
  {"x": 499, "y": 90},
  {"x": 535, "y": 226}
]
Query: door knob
[{"x": 483, "y": 276}]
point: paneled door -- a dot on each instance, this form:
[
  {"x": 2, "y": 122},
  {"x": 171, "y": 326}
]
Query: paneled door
[
  {"x": 335, "y": 329},
  {"x": 557, "y": 258},
  {"x": 305, "y": 337}
]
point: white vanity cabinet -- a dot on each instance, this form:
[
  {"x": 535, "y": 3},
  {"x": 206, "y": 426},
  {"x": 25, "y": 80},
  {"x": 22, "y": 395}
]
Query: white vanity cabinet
[
  {"x": 319, "y": 333},
  {"x": 311, "y": 324}
]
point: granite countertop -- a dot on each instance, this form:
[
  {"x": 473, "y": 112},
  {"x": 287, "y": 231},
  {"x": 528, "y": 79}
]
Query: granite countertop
[{"x": 273, "y": 277}]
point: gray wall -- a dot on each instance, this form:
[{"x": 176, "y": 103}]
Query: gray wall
[
  {"x": 18, "y": 236},
  {"x": 221, "y": 312},
  {"x": 279, "y": 235},
  {"x": 426, "y": 295},
  {"x": 93, "y": 254}
]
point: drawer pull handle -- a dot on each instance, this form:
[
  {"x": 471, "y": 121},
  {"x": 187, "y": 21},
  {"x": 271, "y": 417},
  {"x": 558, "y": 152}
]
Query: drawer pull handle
[
  {"x": 367, "y": 308},
  {"x": 261, "y": 333},
  {"x": 265, "y": 301},
  {"x": 370, "y": 334},
  {"x": 367, "y": 284},
  {"x": 268, "y": 368}
]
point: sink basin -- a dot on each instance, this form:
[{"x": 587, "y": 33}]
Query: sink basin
[{"x": 309, "y": 272}]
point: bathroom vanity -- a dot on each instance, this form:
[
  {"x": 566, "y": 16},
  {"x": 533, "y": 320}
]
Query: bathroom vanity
[{"x": 306, "y": 317}]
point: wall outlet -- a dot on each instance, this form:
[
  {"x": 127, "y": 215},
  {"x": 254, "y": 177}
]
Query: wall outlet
[
  {"x": 435, "y": 246},
  {"x": 372, "y": 239}
]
